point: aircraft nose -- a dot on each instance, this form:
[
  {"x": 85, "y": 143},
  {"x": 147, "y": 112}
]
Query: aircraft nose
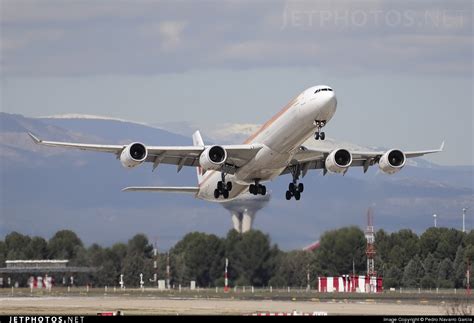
[{"x": 328, "y": 99}]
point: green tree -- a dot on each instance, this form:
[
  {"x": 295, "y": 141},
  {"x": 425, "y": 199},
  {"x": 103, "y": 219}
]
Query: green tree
[
  {"x": 16, "y": 244},
  {"x": 252, "y": 258},
  {"x": 383, "y": 247},
  {"x": 339, "y": 249},
  {"x": 393, "y": 277},
  {"x": 137, "y": 261},
  {"x": 429, "y": 241},
  {"x": 293, "y": 269},
  {"x": 65, "y": 244},
  {"x": 449, "y": 241},
  {"x": 37, "y": 248},
  {"x": 459, "y": 268},
  {"x": 445, "y": 274},
  {"x": 413, "y": 273},
  {"x": 3, "y": 253},
  {"x": 468, "y": 239},
  {"x": 430, "y": 269},
  {"x": 408, "y": 244},
  {"x": 140, "y": 245},
  {"x": 199, "y": 257}
]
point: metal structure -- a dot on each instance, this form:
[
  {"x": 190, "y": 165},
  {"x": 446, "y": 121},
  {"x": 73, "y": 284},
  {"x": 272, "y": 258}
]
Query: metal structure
[
  {"x": 168, "y": 271},
  {"x": 155, "y": 262},
  {"x": 434, "y": 217},
  {"x": 42, "y": 266},
  {"x": 244, "y": 208},
  {"x": 464, "y": 209},
  {"x": 370, "y": 250},
  {"x": 226, "y": 280}
]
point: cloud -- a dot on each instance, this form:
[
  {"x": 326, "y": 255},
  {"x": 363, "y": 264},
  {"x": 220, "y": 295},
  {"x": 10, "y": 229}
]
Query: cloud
[
  {"x": 149, "y": 37},
  {"x": 21, "y": 40},
  {"x": 171, "y": 32}
]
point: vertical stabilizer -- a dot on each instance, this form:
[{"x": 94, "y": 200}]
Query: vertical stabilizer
[{"x": 197, "y": 141}]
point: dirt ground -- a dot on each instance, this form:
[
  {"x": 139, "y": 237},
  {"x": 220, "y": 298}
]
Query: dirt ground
[{"x": 176, "y": 306}]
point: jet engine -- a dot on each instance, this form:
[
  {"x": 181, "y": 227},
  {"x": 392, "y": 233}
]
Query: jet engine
[
  {"x": 133, "y": 155},
  {"x": 213, "y": 158},
  {"x": 338, "y": 161},
  {"x": 392, "y": 161}
]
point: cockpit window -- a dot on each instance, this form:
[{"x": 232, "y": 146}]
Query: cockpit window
[{"x": 324, "y": 89}]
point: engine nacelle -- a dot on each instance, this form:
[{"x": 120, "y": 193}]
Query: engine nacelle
[
  {"x": 133, "y": 155},
  {"x": 392, "y": 161},
  {"x": 338, "y": 161},
  {"x": 213, "y": 158}
]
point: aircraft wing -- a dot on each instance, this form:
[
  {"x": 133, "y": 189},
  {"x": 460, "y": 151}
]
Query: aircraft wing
[
  {"x": 315, "y": 158},
  {"x": 238, "y": 155}
]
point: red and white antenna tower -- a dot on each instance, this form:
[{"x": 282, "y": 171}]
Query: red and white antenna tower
[
  {"x": 168, "y": 271},
  {"x": 155, "y": 262},
  {"x": 370, "y": 237},
  {"x": 226, "y": 280}
]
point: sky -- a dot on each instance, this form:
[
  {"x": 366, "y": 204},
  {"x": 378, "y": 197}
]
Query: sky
[{"x": 402, "y": 70}]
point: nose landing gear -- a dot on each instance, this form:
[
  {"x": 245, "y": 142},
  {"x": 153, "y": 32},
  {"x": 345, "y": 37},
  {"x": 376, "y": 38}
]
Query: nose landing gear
[{"x": 319, "y": 125}]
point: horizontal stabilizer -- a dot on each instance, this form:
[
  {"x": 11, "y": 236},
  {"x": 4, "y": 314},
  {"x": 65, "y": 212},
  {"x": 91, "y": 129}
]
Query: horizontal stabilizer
[{"x": 161, "y": 189}]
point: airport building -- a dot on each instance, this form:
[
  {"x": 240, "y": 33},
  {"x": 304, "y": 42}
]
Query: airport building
[
  {"x": 350, "y": 284},
  {"x": 39, "y": 273}
]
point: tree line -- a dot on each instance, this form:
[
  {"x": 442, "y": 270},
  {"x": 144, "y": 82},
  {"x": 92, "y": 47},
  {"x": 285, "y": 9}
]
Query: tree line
[{"x": 436, "y": 258}]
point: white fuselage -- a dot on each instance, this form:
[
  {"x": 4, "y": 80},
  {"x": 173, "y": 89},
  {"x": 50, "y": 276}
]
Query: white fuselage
[{"x": 281, "y": 138}]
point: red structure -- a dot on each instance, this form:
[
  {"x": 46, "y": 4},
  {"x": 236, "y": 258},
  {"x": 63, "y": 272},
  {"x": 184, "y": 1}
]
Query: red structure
[
  {"x": 226, "y": 281},
  {"x": 315, "y": 245},
  {"x": 350, "y": 284}
]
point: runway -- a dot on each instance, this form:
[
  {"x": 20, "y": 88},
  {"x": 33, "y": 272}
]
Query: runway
[{"x": 91, "y": 305}]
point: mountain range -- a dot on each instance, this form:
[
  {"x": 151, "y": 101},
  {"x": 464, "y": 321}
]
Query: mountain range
[{"x": 46, "y": 189}]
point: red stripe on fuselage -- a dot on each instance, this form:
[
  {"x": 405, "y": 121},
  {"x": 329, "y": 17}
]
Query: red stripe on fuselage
[{"x": 265, "y": 126}]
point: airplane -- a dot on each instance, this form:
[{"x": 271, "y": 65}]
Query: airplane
[{"x": 226, "y": 171}]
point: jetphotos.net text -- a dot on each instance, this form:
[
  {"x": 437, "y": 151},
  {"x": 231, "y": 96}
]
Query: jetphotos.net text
[{"x": 46, "y": 319}]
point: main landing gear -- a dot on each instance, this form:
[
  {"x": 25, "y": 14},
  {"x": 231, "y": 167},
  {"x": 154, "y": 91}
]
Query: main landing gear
[
  {"x": 294, "y": 188},
  {"x": 223, "y": 188},
  {"x": 319, "y": 125},
  {"x": 257, "y": 188}
]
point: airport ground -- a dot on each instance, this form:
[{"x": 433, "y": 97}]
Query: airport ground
[{"x": 80, "y": 301}]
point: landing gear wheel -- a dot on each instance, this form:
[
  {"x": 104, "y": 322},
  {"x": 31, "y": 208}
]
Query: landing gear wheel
[
  {"x": 319, "y": 125},
  {"x": 225, "y": 193},
  {"x": 291, "y": 187},
  {"x": 263, "y": 190},
  {"x": 297, "y": 196},
  {"x": 252, "y": 189},
  {"x": 216, "y": 193},
  {"x": 294, "y": 188},
  {"x": 300, "y": 187},
  {"x": 220, "y": 186},
  {"x": 229, "y": 186}
]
